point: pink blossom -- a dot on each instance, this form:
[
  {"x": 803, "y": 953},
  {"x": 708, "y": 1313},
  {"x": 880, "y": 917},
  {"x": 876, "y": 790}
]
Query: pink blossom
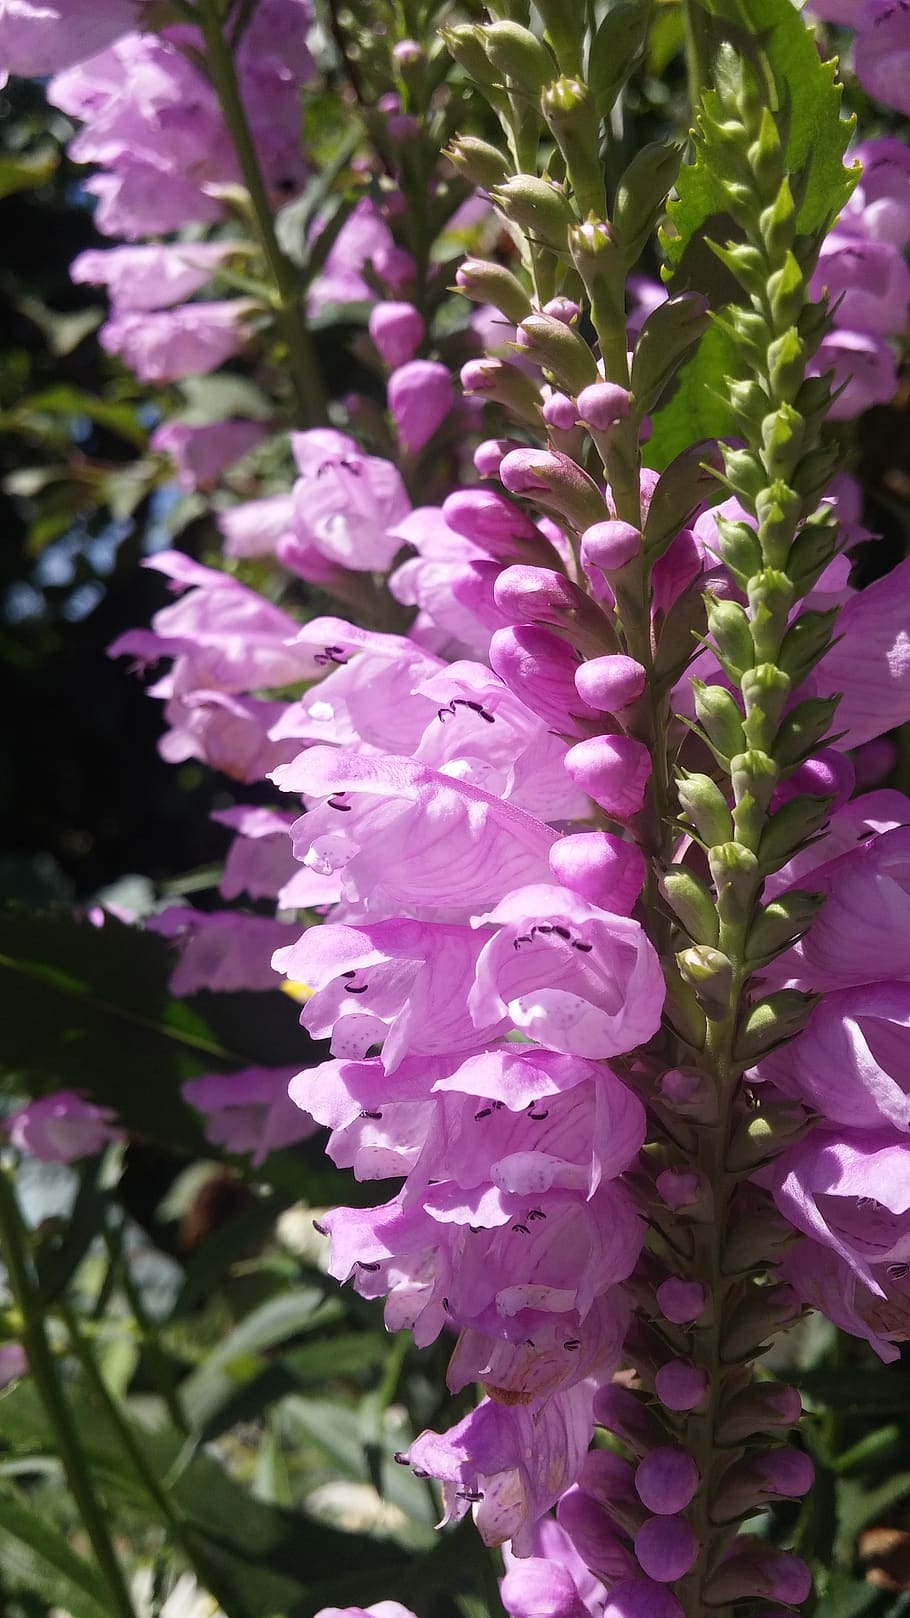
[
  {"x": 38, "y": 37},
  {"x": 869, "y": 280},
  {"x": 851, "y": 1192},
  {"x": 167, "y": 344},
  {"x": 153, "y": 276},
  {"x": 228, "y": 733},
  {"x": 825, "y": 1281},
  {"x": 882, "y": 52},
  {"x": 870, "y": 660},
  {"x": 255, "y": 527},
  {"x": 851, "y": 1061},
  {"x": 347, "y": 508},
  {"x": 13, "y": 1363},
  {"x": 397, "y": 329},
  {"x": 249, "y": 1111},
  {"x": 420, "y": 397},
  {"x": 880, "y": 206},
  {"x": 863, "y": 368},
  {"x": 341, "y": 280},
  {"x": 62, "y": 1127},
  {"x": 200, "y": 454},
  {"x": 259, "y": 861},
  {"x": 220, "y": 950}
]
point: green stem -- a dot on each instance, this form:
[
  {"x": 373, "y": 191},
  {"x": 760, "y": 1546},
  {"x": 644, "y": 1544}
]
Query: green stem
[
  {"x": 172, "y": 1516},
  {"x": 306, "y": 378},
  {"x": 43, "y": 1369},
  {"x": 148, "y": 1336},
  {"x": 698, "y": 52}
]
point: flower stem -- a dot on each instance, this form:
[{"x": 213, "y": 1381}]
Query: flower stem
[
  {"x": 698, "y": 52},
  {"x": 305, "y": 375},
  {"x": 43, "y": 1369}
]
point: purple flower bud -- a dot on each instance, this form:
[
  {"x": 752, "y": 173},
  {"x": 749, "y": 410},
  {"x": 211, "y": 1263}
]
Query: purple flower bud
[
  {"x": 558, "y": 479},
  {"x": 752, "y": 1567},
  {"x": 560, "y": 411},
  {"x": 610, "y": 683},
  {"x": 473, "y": 587},
  {"x": 420, "y": 397},
  {"x": 680, "y": 1385},
  {"x": 488, "y": 455},
  {"x": 666, "y": 1548},
  {"x": 641, "y": 1598},
  {"x": 689, "y": 1092},
  {"x": 624, "y": 1414},
  {"x": 541, "y": 595},
  {"x": 828, "y": 774},
  {"x": 539, "y": 667},
  {"x": 667, "y": 1480},
  {"x": 407, "y": 52},
  {"x": 780, "y": 1474},
  {"x": 564, "y": 309},
  {"x": 395, "y": 267},
  {"x": 613, "y": 770},
  {"x": 602, "y": 405},
  {"x": 609, "y": 546},
  {"x": 489, "y": 520},
  {"x": 604, "y": 869},
  {"x": 680, "y": 1188},
  {"x": 397, "y": 329},
  {"x": 679, "y": 1301}
]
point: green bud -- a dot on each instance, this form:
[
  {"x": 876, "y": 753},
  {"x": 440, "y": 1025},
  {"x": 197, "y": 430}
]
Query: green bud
[
  {"x": 786, "y": 290},
  {"x": 705, "y": 806},
  {"x": 781, "y": 923},
  {"x": 805, "y": 642},
  {"x": 518, "y": 54},
  {"x": 691, "y": 901},
  {"x": 765, "y": 691},
  {"x": 782, "y": 435},
  {"x": 777, "y": 224},
  {"x": 598, "y": 257},
  {"x": 813, "y": 402},
  {"x": 815, "y": 471},
  {"x": 812, "y": 325},
  {"x": 619, "y": 41},
  {"x": 786, "y": 364},
  {"x": 681, "y": 489},
  {"x": 771, "y": 596},
  {"x": 569, "y": 111},
  {"x": 465, "y": 44},
  {"x": 641, "y": 195},
  {"x": 750, "y": 331},
  {"x": 749, "y": 402},
  {"x": 760, "y": 1137},
  {"x": 719, "y": 716},
  {"x": 766, "y": 158},
  {"x": 813, "y": 548},
  {"x": 729, "y": 629},
  {"x": 741, "y": 202},
  {"x": 738, "y": 549},
  {"x": 793, "y": 825},
  {"x": 744, "y": 472},
  {"x": 746, "y": 264},
  {"x": 668, "y": 335},
  {"x": 777, "y": 509},
  {"x": 804, "y": 727},
  {"x": 709, "y": 974},
  {"x": 484, "y": 165},
  {"x": 681, "y": 1007},
  {"x": 560, "y": 350},
  {"x": 747, "y": 1247},
  {"x": 484, "y": 282},
  {"x": 735, "y": 874},
  {"x": 770, "y": 1022},
  {"x": 539, "y": 207},
  {"x": 754, "y": 776}
]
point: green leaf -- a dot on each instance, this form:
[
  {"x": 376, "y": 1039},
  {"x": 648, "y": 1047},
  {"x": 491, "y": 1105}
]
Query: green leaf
[
  {"x": 783, "y": 51},
  {"x": 845, "y": 1597},
  {"x": 27, "y": 173},
  {"x": 34, "y": 1553}
]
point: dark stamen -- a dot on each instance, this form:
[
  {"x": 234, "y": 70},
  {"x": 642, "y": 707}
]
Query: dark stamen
[{"x": 376, "y": 1115}]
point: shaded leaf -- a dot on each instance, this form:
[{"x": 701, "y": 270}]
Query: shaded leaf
[{"x": 34, "y": 1551}]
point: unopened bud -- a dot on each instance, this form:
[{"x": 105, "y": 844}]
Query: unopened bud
[
  {"x": 497, "y": 525},
  {"x": 625, "y": 1414},
  {"x": 744, "y": 473},
  {"x": 735, "y": 874},
  {"x": 760, "y": 1136},
  {"x": 754, "y": 775},
  {"x": 610, "y": 683},
  {"x": 569, "y": 111},
  {"x": 684, "y": 1190},
  {"x": 729, "y": 628},
  {"x": 602, "y": 405},
  {"x": 720, "y": 718},
  {"x": 738, "y": 549},
  {"x": 538, "y": 666},
  {"x": 604, "y": 869},
  {"x": 489, "y": 454},
  {"x": 765, "y": 690},
  {"x": 758, "y": 1409},
  {"x": 641, "y": 194},
  {"x": 681, "y": 1007},
  {"x": 779, "y": 1474},
  {"x": 465, "y": 44},
  {"x": 560, "y": 412},
  {"x": 691, "y": 901},
  {"x": 564, "y": 309},
  {"x": 397, "y": 329},
  {"x": 506, "y": 384},
  {"x": 709, "y": 973},
  {"x": 771, "y": 1022},
  {"x": 680, "y": 1385},
  {"x": 760, "y": 1570},
  {"x": 806, "y": 642},
  {"x": 484, "y": 282},
  {"x": 666, "y": 1548},
  {"x": 484, "y": 165},
  {"x": 782, "y": 923},
  {"x": 803, "y": 729},
  {"x": 556, "y": 482},
  {"x": 668, "y": 335},
  {"x": 793, "y": 824},
  {"x": 690, "y": 1093},
  {"x": 680, "y": 493},
  {"x": 559, "y": 349},
  {"x": 541, "y": 595},
  {"x": 598, "y": 257},
  {"x": 614, "y": 771},
  {"x": 667, "y": 1480},
  {"x": 519, "y": 54},
  {"x": 766, "y": 1309},
  {"x": 704, "y": 804},
  {"x": 608, "y": 546},
  {"x": 539, "y": 207},
  {"x": 681, "y": 1302}
]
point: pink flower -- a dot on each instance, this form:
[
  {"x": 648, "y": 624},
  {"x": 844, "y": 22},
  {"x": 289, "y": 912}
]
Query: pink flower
[
  {"x": 13, "y": 1363},
  {"x": 165, "y": 345},
  {"x": 420, "y": 397},
  {"x": 347, "y": 507},
  {"x": 249, "y": 1111},
  {"x": 852, "y": 1061},
  {"x": 255, "y": 527},
  {"x": 863, "y": 367},
  {"x": 62, "y": 1127},
  {"x": 200, "y": 454},
  {"x": 220, "y": 950},
  {"x": 851, "y": 1192},
  {"x": 397, "y": 329},
  {"x": 882, "y": 52},
  {"x": 825, "y": 1281},
  {"x": 38, "y": 37},
  {"x": 153, "y": 276},
  {"x": 868, "y": 280}
]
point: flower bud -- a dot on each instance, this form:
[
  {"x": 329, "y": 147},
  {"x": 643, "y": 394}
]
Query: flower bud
[
  {"x": 803, "y": 728},
  {"x": 769, "y": 1308},
  {"x": 667, "y": 1480},
  {"x": 613, "y": 770},
  {"x": 560, "y": 412},
  {"x": 758, "y": 1408},
  {"x": 569, "y": 110},
  {"x": 770, "y": 1022},
  {"x": 771, "y": 597},
  {"x": 490, "y": 521},
  {"x": 690, "y": 1093},
  {"x": 681, "y": 1302},
  {"x": 666, "y": 1548},
  {"x": 603, "y": 868},
  {"x": 598, "y": 257},
  {"x": 735, "y": 874},
  {"x": 556, "y": 482},
  {"x": 719, "y": 716},
  {"x": 465, "y": 43},
  {"x": 793, "y": 824},
  {"x": 738, "y": 549},
  {"x": 680, "y": 1385},
  {"x": 703, "y": 803},
  {"x": 681, "y": 1188},
  {"x": 625, "y": 1414},
  {"x": 681, "y": 1007},
  {"x": 640, "y": 1598},
  {"x": 484, "y": 282},
  {"x": 488, "y": 455},
  {"x": 710, "y": 975},
  {"x": 504, "y": 383},
  {"x": 805, "y": 643},
  {"x": 484, "y": 165},
  {"x": 641, "y": 194},
  {"x": 602, "y": 405},
  {"x": 539, "y": 668},
  {"x": 420, "y": 398},
  {"x": 668, "y": 335},
  {"x": 690, "y": 900},
  {"x": 397, "y": 329},
  {"x": 681, "y": 491},
  {"x": 754, "y": 776},
  {"x": 758, "y": 1570},
  {"x": 542, "y": 596},
  {"x": 781, "y": 923},
  {"x": 519, "y": 54},
  {"x": 564, "y": 309},
  {"x": 537, "y": 206},
  {"x": 811, "y": 552},
  {"x": 408, "y": 53},
  {"x": 559, "y": 349},
  {"x": 728, "y": 627},
  {"x": 610, "y": 683},
  {"x": 761, "y": 1135},
  {"x": 779, "y": 1474},
  {"x": 609, "y": 546}
]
